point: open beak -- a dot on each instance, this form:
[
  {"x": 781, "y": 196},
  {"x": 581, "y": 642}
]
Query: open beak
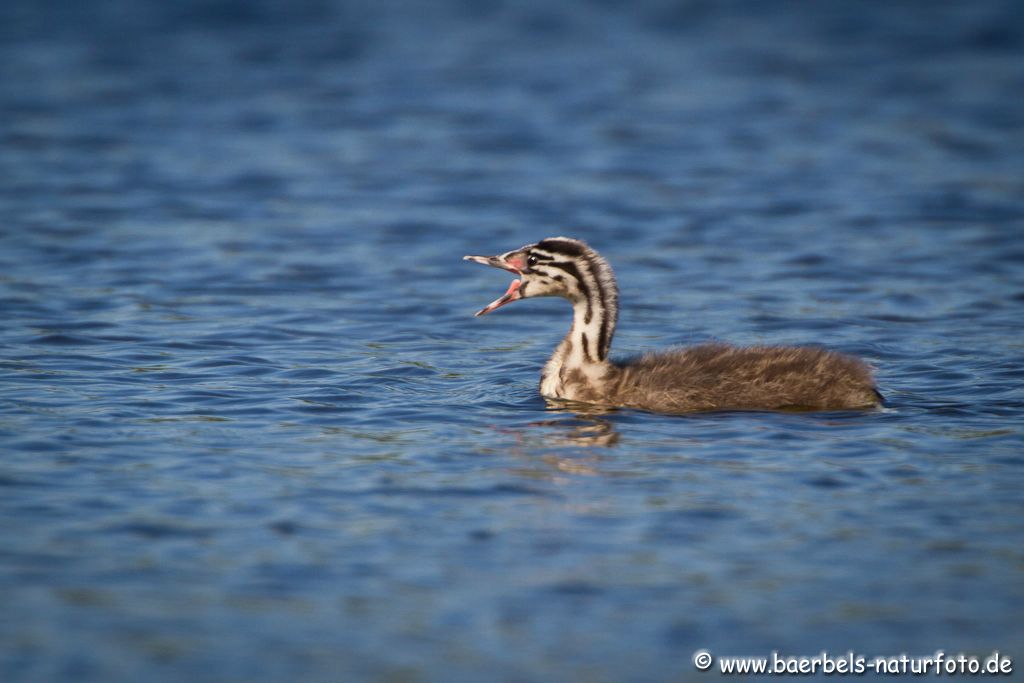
[{"x": 511, "y": 294}]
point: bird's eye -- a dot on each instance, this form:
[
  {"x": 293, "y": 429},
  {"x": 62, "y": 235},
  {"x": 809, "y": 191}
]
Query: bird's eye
[{"x": 531, "y": 260}]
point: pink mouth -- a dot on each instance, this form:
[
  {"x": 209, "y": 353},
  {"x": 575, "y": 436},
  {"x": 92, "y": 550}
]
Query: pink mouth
[
  {"x": 512, "y": 293},
  {"x": 508, "y": 297}
]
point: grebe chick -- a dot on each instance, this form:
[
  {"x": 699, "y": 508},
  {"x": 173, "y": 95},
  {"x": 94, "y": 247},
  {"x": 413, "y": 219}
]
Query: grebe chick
[{"x": 699, "y": 378}]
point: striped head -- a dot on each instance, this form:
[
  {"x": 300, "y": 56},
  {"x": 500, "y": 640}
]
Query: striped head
[{"x": 557, "y": 266}]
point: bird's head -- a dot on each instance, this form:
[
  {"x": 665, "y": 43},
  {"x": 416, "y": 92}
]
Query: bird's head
[{"x": 556, "y": 266}]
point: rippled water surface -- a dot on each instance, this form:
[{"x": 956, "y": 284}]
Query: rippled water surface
[{"x": 250, "y": 430}]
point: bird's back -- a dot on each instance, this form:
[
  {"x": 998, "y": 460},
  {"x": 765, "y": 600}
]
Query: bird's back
[{"x": 722, "y": 377}]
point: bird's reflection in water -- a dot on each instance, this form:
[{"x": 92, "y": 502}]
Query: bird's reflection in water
[
  {"x": 547, "y": 441},
  {"x": 583, "y": 424},
  {"x": 584, "y": 431}
]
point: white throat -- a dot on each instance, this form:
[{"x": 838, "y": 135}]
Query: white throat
[{"x": 578, "y": 364}]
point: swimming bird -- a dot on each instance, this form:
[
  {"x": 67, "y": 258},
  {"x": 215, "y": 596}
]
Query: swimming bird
[{"x": 679, "y": 380}]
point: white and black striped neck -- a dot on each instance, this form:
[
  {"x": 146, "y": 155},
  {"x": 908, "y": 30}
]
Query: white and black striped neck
[{"x": 589, "y": 285}]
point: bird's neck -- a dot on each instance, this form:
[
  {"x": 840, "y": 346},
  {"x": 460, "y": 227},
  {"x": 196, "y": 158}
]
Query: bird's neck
[{"x": 580, "y": 365}]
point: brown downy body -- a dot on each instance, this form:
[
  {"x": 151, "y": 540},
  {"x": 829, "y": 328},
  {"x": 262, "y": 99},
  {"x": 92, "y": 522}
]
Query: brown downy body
[{"x": 706, "y": 377}]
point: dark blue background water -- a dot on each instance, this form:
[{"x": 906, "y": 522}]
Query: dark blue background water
[{"x": 250, "y": 430}]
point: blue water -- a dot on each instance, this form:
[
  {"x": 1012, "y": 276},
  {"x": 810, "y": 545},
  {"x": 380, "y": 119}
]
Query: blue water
[{"x": 250, "y": 430}]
